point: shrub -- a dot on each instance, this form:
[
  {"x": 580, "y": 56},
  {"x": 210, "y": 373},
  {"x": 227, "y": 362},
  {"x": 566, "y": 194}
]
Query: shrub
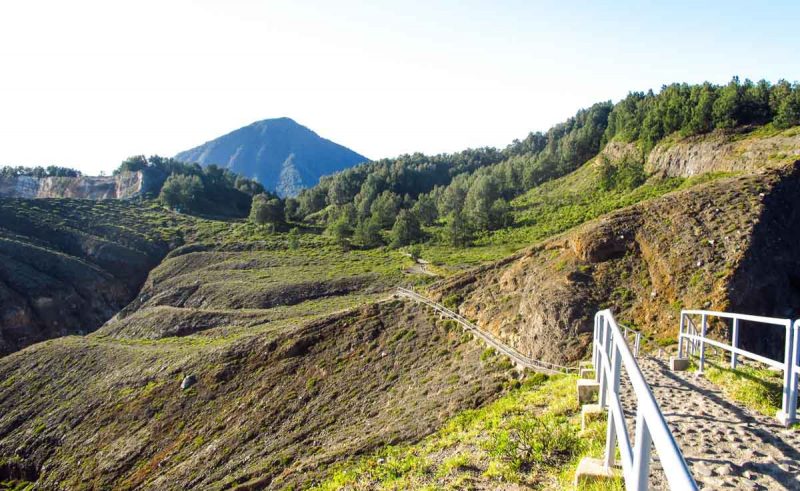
[
  {"x": 452, "y": 301},
  {"x": 538, "y": 441},
  {"x": 266, "y": 209}
]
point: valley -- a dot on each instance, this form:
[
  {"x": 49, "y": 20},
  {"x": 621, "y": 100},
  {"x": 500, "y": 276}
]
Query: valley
[{"x": 151, "y": 343}]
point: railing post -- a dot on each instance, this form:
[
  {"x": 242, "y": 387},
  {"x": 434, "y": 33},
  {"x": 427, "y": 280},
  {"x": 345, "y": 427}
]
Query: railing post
[
  {"x": 607, "y": 349},
  {"x": 734, "y": 341},
  {"x": 641, "y": 454},
  {"x": 636, "y": 346},
  {"x": 680, "y": 336},
  {"x": 703, "y": 327},
  {"x": 794, "y": 375},
  {"x": 788, "y": 372},
  {"x": 611, "y": 433},
  {"x": 595, "y": 338}
]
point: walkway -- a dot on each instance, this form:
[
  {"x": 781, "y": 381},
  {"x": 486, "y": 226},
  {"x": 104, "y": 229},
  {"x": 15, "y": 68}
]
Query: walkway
[
  {"x": 726, "y": 446},
  {"x": 518, "y": 358}
]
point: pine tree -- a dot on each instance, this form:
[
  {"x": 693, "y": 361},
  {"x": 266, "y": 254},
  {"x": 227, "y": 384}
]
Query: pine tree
[{"x": 406, "y": 229}]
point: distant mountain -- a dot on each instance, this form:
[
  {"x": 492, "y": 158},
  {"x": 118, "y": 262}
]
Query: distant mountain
[{"x": 281, "y": 154}]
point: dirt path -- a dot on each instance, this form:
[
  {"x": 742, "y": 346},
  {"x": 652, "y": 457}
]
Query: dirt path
[{"x": 726, "y": 446}]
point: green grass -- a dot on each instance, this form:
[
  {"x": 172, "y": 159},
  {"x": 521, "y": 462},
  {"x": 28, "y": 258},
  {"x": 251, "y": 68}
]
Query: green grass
[
  {"x": 14, "y": 485},
  {"x": 758, "y": 389},
  {"x": 530, "y": 436}
]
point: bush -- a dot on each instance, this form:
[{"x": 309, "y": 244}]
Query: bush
[
  {"x": 265, "y": 209},
  {"x": 452, "y": 301},
  {"x": 537, "y": 441},
  {"x": 182, "y": 192}
]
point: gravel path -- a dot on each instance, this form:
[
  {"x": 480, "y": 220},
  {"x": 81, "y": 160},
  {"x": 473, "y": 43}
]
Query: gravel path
[{"x": 726, "y": 446}]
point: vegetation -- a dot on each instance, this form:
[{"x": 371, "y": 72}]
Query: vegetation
[
  {"x": 530, "y": 436},
  {"x": 266, "y": 209},
  {"x": 480, "y": 200},
  {"x": 759, "y": 389},
  {"x": 191, "y": 188},
  {"x": 38, "y": 172}
]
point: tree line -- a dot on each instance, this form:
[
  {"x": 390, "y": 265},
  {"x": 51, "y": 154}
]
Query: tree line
[
  {"x": 192, "y": 188},
  {"x": 38, "y": 171},
  {"x": 392, "y": 200}
]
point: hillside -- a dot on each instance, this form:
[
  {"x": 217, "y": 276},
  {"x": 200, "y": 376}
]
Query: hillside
[
  {"x": 702, "y": 247},
  {"x": 300, "y": 364},
  {"x": 285, "y": 384},
  {"x": 69, "y": 265},
  {"x": 234, "y": 355},
  {"x": 279, "y": 153}
]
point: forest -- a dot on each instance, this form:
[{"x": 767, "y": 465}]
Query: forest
[{"x": 469, "y": 191}]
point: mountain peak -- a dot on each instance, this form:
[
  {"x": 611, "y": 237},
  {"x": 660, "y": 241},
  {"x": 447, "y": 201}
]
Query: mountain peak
[{"x": 282, "y": 154}]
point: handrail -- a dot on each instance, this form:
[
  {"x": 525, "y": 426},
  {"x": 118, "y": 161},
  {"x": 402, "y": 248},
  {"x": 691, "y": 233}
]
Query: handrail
[
  {"x": 697, "y": 342},
  {"x": 487, "y": 337},
  {"x": 610, "y": 353},
  {"x": 794, "y": 368},
  {"x": 637, "y": 338}
]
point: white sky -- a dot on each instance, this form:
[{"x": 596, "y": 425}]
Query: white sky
[{"x": 86, "y": 83}]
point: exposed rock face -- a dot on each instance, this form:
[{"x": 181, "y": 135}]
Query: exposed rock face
[
  {"x": 723, "y": 153},
  {"x": 125, "y": 185},
  {"x": 725, "y": 245}
]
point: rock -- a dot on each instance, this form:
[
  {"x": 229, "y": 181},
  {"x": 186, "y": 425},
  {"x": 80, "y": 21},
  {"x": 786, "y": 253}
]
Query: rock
[
  {"x": 188, "y": 381},
  {"x": 702, "y": 470},
  {"x": 723, "y": 470}
]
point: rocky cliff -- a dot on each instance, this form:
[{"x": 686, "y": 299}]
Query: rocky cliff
[{"x": 125, "y": 185}]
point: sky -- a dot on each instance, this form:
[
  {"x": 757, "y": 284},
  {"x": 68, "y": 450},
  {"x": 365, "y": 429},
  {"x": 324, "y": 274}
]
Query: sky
[{"x": 87, "y": 83}]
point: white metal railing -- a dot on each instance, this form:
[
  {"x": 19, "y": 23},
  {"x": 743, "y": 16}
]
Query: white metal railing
[
  {"x": 610, "y": 353},
  {"x": 794, "y": 367},
  {"x": 487, "y": 337},
  {"x": 637, "y": 338},
  {"x": 696, "y": 342}
]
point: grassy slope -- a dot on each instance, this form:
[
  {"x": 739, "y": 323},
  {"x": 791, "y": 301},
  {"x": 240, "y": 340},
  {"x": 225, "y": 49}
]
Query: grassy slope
[{"x": 487, "y": 448}]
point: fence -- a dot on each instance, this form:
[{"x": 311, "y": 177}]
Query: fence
[
  {"x": 610, "y": 354},
  {"x": 696, "y": 342},
  {"x": 519, "y": 358}
]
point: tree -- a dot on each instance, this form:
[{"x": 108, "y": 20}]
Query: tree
[
  {"x": 368, "y": 233},
  {"x": 291, "y": 207},
  {"x": 702, "y": 113},
  {"x": 406, "y": 229},
  {"x": 294, "y": 238},
  {"x": 182, "y": 192},
  {"x": 133, "y": 164},
  {"x": 788, "y": 104},
  {"x": 478, "y": 204},
  {"x": 265, "y": 209},
  {"x": 457, "y": 233},
  {"x": 340, "y": 229},
  {"x": 311, "y": 200},
  {"x": 385, "y": 207},
  {"x": 726, "y": 106},
  {"x": 425, "y": 209},
  {"x": 500, "y": 215}
]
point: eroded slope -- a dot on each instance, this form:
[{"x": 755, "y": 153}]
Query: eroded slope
[
  {"x": 711, "y": 246},
  {"x": 67, "y": 266},
  {"x": 275, "y": 407}
]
